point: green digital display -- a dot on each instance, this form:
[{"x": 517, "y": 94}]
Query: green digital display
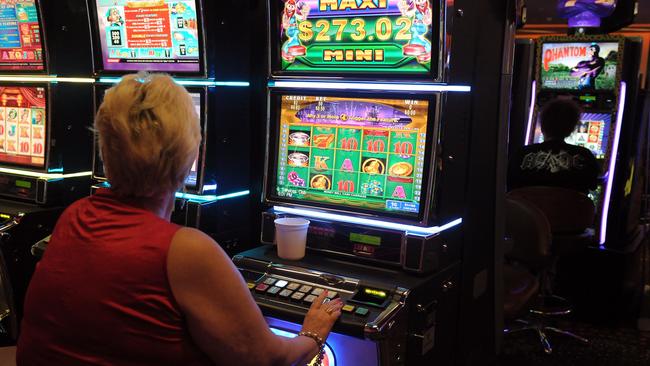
[
  {"x": 364, "y": 153},
  {"x": 367, "y": 36},
  {"x": 365, "y": 239},
  {"x": 23, "y": 184}
]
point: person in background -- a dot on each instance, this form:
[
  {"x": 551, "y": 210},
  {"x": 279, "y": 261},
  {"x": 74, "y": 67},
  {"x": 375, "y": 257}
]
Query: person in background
[
  {"x": 554, "y": 162},
  {"x": 121, "y": 285}
]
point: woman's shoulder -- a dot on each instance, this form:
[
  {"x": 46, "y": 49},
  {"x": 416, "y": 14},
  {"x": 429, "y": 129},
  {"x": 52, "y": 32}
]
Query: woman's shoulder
[{"x": 190, "y": 245}]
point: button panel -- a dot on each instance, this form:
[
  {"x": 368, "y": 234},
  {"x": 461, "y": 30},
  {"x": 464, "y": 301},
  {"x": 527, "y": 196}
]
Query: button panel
[{"x": 303, "y": 295}]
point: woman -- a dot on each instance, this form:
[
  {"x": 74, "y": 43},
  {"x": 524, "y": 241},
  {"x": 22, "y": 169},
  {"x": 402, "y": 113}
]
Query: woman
[{"x": 121, "y": 285}]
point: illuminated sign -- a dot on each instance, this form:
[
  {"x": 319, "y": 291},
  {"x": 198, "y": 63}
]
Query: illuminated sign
[{"x": 362, "y": 36}]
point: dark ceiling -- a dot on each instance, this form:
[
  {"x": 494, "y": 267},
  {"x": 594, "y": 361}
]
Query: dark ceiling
[{"x": 543, "y": 12}]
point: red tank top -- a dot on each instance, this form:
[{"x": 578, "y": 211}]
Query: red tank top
[{"x": 100, "y": 295}]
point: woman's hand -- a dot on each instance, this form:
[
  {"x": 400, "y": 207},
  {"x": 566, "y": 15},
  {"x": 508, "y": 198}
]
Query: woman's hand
[{"x": 322, "y": 315}]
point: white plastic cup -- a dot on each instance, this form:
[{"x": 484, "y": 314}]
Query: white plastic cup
[{"x": 291, "y": 237}]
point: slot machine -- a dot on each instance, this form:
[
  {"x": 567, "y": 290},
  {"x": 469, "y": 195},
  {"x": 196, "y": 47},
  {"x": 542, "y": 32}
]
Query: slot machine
[
  {"x": 609, "y": 126},
  {"x": 44, "y": 142},
  {"x": 173, "y": 38},
  {"x": 367, "y": 137}
]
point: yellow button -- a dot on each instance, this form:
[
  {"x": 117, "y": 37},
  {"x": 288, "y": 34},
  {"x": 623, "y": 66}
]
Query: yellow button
[
  {"x": 347, "y": 308},
  {"x": 251, "y": 285}
]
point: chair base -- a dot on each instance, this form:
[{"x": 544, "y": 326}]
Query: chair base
[
  {"x": 541, "y": 330},
  {"x": 551, "y": 305}
]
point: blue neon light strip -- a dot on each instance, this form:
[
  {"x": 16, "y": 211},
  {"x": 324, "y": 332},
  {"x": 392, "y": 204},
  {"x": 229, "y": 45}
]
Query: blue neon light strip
[
  {"x": 370, "y": 86},
  {"x": 531, "y": 112},
  {"x": 417, "y": 230},
  {"x": 47, "y": 79},
  {"x": 210, "y": 198},
  {"x": 612, "y": 163},
  {"x": 113, "y": 80}
]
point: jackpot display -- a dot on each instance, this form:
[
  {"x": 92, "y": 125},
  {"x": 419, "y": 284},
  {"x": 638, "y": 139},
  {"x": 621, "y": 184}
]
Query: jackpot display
[
  {"x": 354, "y": 36},
  {"x": 23, "y": 126},
  {"x": 592, "y": 133},
  {"x": 20, "y": 36},
  {"x": 354, "y": 152},
  {"x": 154, "y": 35},
  {"x": 579, "y": 66}
]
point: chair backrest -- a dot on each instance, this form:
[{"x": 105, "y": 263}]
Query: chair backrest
[
  {"x": 567, "y": 211},
  {"x": 530, "y": 232}
]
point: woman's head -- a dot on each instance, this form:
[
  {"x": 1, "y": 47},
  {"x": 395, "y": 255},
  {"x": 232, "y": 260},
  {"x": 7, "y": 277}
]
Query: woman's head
[
  {"x": 149, "y": 135},
  {"x": 559, "y": 118}
]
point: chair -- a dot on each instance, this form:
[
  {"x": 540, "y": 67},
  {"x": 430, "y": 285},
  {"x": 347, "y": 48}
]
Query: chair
[
  {"x": 570, "y": 215},
  {"x": 530, "y": 234}
]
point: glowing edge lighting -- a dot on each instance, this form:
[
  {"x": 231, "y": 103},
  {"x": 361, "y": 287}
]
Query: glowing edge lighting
[
  {"x": 530, "y": 113},
  {"x": 47, "y": 176},
  {"x": 327, "y": 348},
  {"x": 206, "y": 198},
  {"x": 612, "y": 164},
  {"x": 47, "y": 79},
  {"x": 189, "y": 82},
  {"x": 370, "y": 86},
  {"x": 368, "y": 222}
]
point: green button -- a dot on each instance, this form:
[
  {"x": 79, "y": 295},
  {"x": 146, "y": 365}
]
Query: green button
[{"x": 362, "y": 311}]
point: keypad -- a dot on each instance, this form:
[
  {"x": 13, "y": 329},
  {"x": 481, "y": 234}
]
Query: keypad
[
  {"x": 261, "y": 287},
  {"x": 285, "y": 293},
  {"x": 293, "y": 286},
  {"x": 306, "y": 289},
  {"x": 269, "y": 281},
  {"x": 273, "y": 290},
  {"x": 309, "y": 299},
  {"x": 347, "y": 308},
  {"x": 317, "y": 291},
  {"x": 362, "y": 311}
]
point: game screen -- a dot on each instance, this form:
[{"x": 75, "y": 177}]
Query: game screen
[
  {"x": 353, "y": 152},
  {"x": 20, "y": 36},
  {"x": 191, "y": 179},
  {"x": 362, "y": 36},
  {"x": 152, "y": 35},
  {"x": 579, "y": 66},
  {"x": 23, "y": 126},
  {"x": 592, "y": 133}
]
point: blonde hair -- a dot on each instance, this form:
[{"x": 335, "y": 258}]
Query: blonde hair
[{"x": 149, "y": 135}]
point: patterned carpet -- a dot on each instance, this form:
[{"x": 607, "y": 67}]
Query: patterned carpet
[{"x": 609, "y": 346}]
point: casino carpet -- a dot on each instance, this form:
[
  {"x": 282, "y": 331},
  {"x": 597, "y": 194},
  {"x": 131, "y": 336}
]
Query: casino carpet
[{"x": 609, "y": 346}]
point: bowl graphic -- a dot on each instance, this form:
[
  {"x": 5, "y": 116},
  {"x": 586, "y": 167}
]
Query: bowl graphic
[
  {"x": 299, "y": 139},
  {"x": 298, "y": 159},
  {"x": 401, "y": 169},
  {"x": 373, "y": 166},
  {"x": 320, "y": 181}
]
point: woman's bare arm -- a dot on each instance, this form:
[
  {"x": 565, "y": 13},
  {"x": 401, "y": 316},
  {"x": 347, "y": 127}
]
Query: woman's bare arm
[{"x": 222, "y": 316}]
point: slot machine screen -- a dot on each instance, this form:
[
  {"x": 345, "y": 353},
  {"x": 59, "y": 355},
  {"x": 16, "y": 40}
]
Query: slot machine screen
[
  {"x": 390, "y": 37},
  {"x": 192, "y": 179},
  {"x": 23, "y": 126},
  {"x": 592, "y": 133},
  {"x": 161, "y": 35},
  {"x": 21, "y": 45},
  {"x": 579, "y": 65},
  {"x": 364, "y": 154}
]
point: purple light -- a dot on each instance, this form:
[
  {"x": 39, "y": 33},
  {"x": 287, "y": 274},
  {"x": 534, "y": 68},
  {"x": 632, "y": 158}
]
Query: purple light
[
  {"x": 530, "y": 113},
  {"x": 612, "y": 164}
]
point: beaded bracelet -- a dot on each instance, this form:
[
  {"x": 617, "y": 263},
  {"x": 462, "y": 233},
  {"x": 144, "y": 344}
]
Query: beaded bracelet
[{"x": 319, "y": 342}]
